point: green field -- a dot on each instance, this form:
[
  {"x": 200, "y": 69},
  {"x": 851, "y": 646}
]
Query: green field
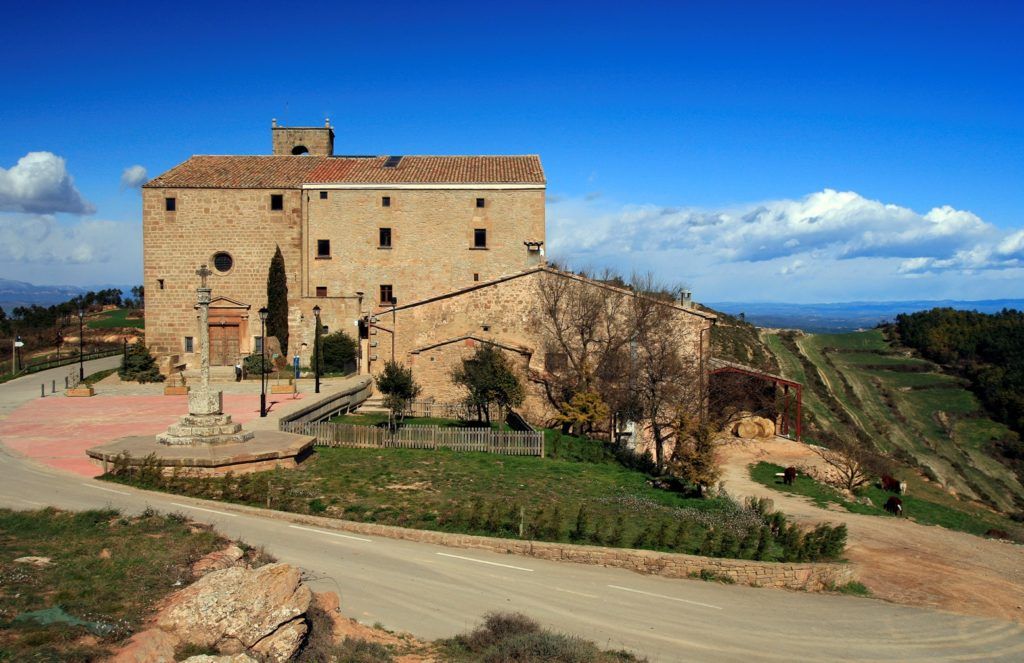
[
  {"x": 592, "y": 498},
  {"x": 98, "y": 599},
  {"x": 116, "y": 319},
  {"x": 917, "y": 508},
  {"x": 904, "y": 406}
]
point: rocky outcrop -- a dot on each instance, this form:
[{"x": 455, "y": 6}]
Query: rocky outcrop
[
  {"x": 149, "y": 646},
  {"x": 218, "y": 560},
  {"x": 233, "y": 658},
  {"x": 237, "y": 609}
]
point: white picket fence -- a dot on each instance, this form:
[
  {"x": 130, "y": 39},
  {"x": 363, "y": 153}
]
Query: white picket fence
[{"x": 509, "y": 443}]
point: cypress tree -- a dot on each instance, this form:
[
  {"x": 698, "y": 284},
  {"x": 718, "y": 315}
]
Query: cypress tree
[{"x": 277, "y": 301}]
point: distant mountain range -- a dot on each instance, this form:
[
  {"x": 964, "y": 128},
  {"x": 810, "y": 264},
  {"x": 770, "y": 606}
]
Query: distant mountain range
[
  {"x": 20, "y": 293},
  {"x": 847, "y": 316}
]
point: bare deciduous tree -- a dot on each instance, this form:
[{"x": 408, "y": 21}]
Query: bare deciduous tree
[{"x": 851, "y": 462}]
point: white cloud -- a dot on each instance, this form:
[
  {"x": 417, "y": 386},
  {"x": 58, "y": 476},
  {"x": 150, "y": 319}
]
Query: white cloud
[
  {"x": 842, "y": 223},
  {"x": 133, "y": 177},
  {"x": 40, "y": 184},
  {"x": 40, "y": 238},
  {"x": 828, "y": 241}
]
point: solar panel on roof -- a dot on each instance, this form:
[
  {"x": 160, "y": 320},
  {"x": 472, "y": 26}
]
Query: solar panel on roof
[{"x": 392, "y": 162}]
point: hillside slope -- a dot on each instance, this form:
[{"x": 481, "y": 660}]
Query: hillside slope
[{"x": 860, "y": 384}]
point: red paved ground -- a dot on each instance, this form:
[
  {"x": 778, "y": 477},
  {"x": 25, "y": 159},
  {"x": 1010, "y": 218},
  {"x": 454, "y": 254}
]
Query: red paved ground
[{"x": 57, "y": 431}]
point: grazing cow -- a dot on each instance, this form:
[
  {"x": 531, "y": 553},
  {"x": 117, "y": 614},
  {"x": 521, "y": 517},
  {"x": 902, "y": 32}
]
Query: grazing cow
[
  {"x": 894, "y": 506},
  {"x": 891, "y": 484},
  {"x": 789, "y": 476}
]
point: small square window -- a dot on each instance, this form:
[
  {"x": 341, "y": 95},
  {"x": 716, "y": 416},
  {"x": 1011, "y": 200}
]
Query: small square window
[
  {"x": 277, "y": 202},
  {"x": 480, "y": 202},
  {"x": 323, "y": 195},
  {"x": 160, "y": 283},
  {"x": 323, "y": 248},
  {"x": 476, "y": 276},
  {"x": 171, "y": 204},
  {"x": 480, "y": 238},
  {"x": 385, "y": 238},
  {"x": 326, "y": 331},
  {"x": 386, "y": 294},
  {"x": 321, "y": 291},
  {"x": 385, "y": 201},
  {"x": 258, "y": 344},
  {"x": 188, "y": 344}
]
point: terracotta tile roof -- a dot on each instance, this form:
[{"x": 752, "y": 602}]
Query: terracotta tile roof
[
  {"x": 283, "y": 172},
  {"x": 431, "y": 170},
  {"x": 238, "y": 172}
]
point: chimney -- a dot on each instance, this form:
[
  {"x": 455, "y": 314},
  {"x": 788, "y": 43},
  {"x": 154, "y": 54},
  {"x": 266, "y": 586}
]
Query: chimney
[{"x": 686, "y": 298}]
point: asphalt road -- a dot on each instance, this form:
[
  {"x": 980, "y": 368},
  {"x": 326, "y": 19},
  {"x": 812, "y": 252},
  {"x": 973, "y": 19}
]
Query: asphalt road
[{"x": 433, "y": 591}]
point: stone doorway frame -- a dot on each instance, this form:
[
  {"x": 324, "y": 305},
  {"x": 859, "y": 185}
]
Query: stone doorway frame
[{"x": 227, "y": 312}]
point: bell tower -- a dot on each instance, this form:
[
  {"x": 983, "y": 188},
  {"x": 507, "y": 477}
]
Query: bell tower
[{"x": 315, "y": 141}]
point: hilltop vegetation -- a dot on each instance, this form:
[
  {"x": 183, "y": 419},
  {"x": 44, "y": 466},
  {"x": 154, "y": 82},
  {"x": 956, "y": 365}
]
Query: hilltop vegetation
[{"x": 865, "y": 386}]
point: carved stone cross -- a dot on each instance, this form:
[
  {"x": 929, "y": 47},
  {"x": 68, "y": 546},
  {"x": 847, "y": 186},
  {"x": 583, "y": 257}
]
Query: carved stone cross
[{"x": 203, "y": 272}]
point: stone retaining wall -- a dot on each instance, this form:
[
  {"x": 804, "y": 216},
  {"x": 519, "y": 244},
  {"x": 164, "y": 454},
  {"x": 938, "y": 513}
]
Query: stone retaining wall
[{"x": 808, "y": 576}]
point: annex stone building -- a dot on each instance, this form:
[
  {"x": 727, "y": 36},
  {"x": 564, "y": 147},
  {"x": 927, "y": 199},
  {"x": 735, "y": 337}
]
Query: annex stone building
[{"x": 435, "y": 254}]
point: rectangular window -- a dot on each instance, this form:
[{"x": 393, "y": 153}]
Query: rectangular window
[
  {"x": 160, "y": 282},
  {"x": 170, "y": 204},
  {"x": 188, "y": 344},
  {"x": 258, "y": 344},
  {"x": 323, "y": 248},
  {"x": 277, "y": 202},
  {"x": 323, "y": 195},
  {"x": 386, "y": 295},
  {"x": 385, "y": 201},
  {"x": 480, "y": 238},
  {"x": 326, "y": 331},
  {"x": 321, "y": 291},
  {"x": 385, "y": 238},
  {"x": 480, "y": 202},
  {"x": 476, "y": 276}
]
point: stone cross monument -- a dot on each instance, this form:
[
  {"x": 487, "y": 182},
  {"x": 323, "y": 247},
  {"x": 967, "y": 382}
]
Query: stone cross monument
[{"x": 205, "y": 422}]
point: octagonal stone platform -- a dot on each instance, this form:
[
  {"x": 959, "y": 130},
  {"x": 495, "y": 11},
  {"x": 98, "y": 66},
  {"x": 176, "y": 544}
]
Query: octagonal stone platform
[{"x": 262, "y": 450}]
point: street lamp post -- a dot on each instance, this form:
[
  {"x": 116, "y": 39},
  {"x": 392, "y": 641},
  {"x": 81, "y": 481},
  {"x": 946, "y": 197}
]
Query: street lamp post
[
  {"x": 263, "y": 361},
  {"x": 359, "y": 338},
  {"x": 316, "y": 347},
  {"x": 81, "y": 344}
]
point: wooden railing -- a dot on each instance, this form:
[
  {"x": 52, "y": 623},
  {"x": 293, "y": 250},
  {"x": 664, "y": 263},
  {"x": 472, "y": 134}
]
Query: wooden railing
[{"x": 509, "y": 443}]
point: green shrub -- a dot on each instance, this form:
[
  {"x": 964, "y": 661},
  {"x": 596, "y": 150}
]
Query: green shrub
[
  {"x": 138, "y": 365},
  {"x": 254, "y": 363},
  {"x": 339, "y": 351}
]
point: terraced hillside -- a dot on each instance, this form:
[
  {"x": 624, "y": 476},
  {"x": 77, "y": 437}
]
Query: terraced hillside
[{"x": 860, "y": 384}]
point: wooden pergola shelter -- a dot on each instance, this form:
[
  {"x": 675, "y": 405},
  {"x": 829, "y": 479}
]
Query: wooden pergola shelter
[{"x": 718, "y": 366}]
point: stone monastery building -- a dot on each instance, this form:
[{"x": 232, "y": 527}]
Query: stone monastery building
[{"x": 435, "y": 254}]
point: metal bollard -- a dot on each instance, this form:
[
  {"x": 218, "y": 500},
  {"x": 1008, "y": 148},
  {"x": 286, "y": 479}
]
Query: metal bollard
[
  {"x": 53, "y": 386},
  {"x": 42, "y": 391},
  {"x": 65, "y": 382}
]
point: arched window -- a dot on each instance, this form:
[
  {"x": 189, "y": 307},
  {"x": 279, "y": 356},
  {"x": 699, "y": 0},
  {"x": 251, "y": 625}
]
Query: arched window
[{"x": 300, "y": 149}]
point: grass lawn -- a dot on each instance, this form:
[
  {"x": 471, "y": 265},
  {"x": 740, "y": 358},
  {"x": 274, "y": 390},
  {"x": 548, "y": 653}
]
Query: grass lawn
[
  {"x": 968, "y": 518},
  {"x": 106, "y": 595},
  {"x": 552, "y": 499},
  {"x": 116, "y": 319}
]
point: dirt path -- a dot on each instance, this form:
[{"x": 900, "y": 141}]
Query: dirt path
[{"x": 898, "y": 560}]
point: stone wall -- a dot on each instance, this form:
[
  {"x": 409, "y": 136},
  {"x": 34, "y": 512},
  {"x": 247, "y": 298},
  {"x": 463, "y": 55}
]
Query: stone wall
[
  {"x": 431, "y": 249},
  {"x": 319, "y": 141},
  {"x": 432, "y": 337},
  {"x": 206, "y": 221},
  {"x": 808, "y": 576}
]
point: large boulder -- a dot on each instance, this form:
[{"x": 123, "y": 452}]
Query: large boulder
[
  {"x": 218, "y": 560},
  {"x": 236, "y": 609}
]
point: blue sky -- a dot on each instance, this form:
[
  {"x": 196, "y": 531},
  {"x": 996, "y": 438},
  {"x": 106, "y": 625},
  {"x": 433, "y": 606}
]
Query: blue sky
[{"x": 754, "y": 151}]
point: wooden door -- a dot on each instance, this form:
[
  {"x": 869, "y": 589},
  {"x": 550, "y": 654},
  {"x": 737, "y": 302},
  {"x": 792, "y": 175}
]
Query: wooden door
[{"x": 223, "y": 344}]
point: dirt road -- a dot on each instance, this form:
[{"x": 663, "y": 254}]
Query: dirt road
[{"x": 898, "y": 560}]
